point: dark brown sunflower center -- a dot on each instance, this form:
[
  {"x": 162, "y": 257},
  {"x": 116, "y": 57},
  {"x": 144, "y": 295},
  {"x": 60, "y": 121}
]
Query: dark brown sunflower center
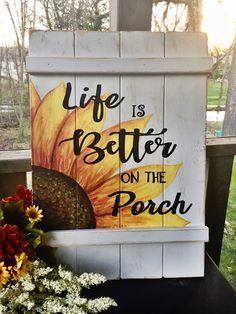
[
  {"x": 33, "y": 215},
  {"x": 65, "y": 204}
]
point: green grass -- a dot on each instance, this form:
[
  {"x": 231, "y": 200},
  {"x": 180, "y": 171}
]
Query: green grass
[
  {"x": 214, "y": 92},
  {"x": 228, "y": 253},
  {"x": 215, "y": 127}
]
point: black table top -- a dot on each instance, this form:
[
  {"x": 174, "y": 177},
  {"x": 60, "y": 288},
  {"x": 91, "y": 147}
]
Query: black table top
[{"x": 211, "y": 294}]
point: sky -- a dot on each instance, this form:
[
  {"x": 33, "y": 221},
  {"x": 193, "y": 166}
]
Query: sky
[{"x": 219, "y": 21}]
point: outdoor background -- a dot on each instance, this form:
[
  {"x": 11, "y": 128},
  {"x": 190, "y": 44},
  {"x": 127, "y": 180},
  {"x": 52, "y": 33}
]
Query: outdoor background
[{"x": 216, "y": 17}]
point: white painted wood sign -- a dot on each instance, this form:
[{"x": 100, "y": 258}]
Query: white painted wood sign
[{"x": 118, "y": 150}]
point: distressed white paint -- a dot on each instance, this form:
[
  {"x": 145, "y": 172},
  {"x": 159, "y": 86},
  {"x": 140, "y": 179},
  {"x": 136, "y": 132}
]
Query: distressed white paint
[
  {"x": 103, "y": 259},
  {"x": 66, "y": 256},
  {"x": 144, "y": 90},
  {"x": 185, "y": 109},
  {"x": 84, "y": 237},
  {"x": 50, "y": 65},
  {"x": 185, "y": 116},
  {"x": 98, "y": 45},
  {"x": 97, "y": 60},
  {"x": 141, "y": 261},
  {"x": 183, "y": 260},
  {"x": 53, "y": 44}
]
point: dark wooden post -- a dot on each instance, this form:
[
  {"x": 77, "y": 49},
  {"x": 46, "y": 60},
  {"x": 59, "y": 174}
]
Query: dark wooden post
[
  {"x": 13, "y": 168},
  {"x": 220, "y": 153}
]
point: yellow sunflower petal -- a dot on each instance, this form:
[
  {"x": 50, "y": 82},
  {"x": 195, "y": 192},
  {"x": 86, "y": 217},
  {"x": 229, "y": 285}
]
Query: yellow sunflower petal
[
  {"x": 34, "y": 100},
  {"x": 143, "y": 220},
  {"x": 170, "y": 220},
  {"x": 49, "y": 117},
  {"x": 64, "y": 153},
  {"x": 107, "y": 221},
  {"x": 143, "y": 190},
  {"x": 91, "y": 176}
]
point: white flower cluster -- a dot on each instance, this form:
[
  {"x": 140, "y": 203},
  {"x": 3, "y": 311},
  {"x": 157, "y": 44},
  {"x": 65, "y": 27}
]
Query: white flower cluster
[{"x": 47, "y": 290}]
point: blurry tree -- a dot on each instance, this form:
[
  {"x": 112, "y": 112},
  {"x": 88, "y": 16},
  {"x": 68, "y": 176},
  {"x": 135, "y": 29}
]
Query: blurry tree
[
  {"x": 9, "y": 87},
  {"x": 221, "y": 69},
  {"x": 75, "y": 14},
  {"x": 1, "y": 72},
  {"x": 22, "y": 18},
  {"x": 177, "y": 15},
  {"x": 229, "y": 125}
]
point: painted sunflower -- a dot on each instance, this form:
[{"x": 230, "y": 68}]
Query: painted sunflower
[{"x": 75, "y": 194}]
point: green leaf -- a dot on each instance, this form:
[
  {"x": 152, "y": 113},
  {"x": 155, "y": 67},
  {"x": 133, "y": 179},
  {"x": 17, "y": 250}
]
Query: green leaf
[
  {"x": 1, "y": 214},
  {"x": 14, "y": 214}
]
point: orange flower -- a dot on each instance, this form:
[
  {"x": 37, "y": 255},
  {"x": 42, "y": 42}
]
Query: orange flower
[{"x": 94, "y": 182}]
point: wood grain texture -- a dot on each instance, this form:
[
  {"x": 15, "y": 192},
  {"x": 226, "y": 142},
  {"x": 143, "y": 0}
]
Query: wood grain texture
[
  {"x": 133, "y": 65},
  {"x": 57, "y": 65},
  {"x": 185, "y": 110},
  {"x": 183, "y": 260},
  {"x": 125, "y": 236},
  {"x": 53, "y": 44},
  {"x": 142, "y": 260}
]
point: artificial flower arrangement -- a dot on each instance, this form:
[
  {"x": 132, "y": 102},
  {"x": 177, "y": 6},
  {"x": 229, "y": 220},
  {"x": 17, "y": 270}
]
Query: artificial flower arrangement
[{"x": 27, "y": 284}]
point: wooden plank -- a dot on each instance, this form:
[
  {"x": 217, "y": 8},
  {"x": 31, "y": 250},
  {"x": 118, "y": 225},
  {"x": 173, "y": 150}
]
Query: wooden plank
[
  {"x": 52, "y": 185},
  {"x": 179, "y": 261},
  {"x": 185, "y": 104},
  {"x": 9, "y": 182},
  {"x": 142, "y": 106},
  {"x": 146, "y": 91},
  {"x": 141, "y": 261},
  {"x": 15, "y": 161},
  {"x": 102, "y": 259},
  {"x": 65, "y": 256},
  {"x": 219, "y": 178},
  {"x": 124, "y": 236},
  {"x": 59, "y": 65},
  {"x": 223, "y": 146},
  {"x": 51, "y": 44},
  {"x": 186, "y": 44},
  {"x": 183, "y": 111},
  {"x": 50, "y": 118},
  {"x": 94, "y": 177}
]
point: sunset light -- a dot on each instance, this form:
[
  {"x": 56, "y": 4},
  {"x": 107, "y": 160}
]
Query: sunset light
[{"x": 219, "y": 21}]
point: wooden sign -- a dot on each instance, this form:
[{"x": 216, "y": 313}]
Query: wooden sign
[{"x": 118, "y": 142}]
